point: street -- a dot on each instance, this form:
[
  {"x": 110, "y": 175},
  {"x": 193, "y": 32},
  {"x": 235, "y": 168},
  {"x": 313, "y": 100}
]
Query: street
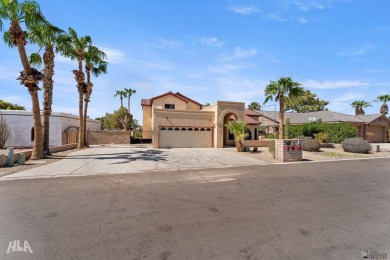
[{"x": 324, "y": 210}]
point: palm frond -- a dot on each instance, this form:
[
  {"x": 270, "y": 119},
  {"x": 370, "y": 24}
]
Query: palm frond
[{"x": 35, "y": 59}]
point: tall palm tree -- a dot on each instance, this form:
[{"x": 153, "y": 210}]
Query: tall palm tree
[
  {"x": 359, "y": 105},
  {"x": 48, "y": 37},
  {"x": 238, "y": 129},
  {"x": 94, "y": 62},
  {"x": 254, "y": 106},
  {"x": 278, "y": 90},
  {"x": 76, "y": 51},
  {"x": 384, "y": 108},
  {"x": 27, "y": 12},
  {"x": 121, "y": 95},
  {"x": 129, "y": 92}
]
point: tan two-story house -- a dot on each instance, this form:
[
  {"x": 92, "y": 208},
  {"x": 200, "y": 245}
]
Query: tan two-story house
[{"x": 174, "y": 120}]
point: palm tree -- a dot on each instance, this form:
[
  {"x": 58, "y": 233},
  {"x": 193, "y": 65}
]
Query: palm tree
[
  {"x": 121, "y": 95},
  {"x": 384, "y": 108},
  {"x": 278, "y": 90},
  {"x": 254, "y": 106},
  {"x": 237, "y": 128},
  {"x": 76, "y": 51},
  {"x": 47, "y": 36},
  {"x": 29, "y": 13},
  {"x": 93, "y": 63},
  {"x": 359, "y": 105},
  {"x": 129, "y": 92}
]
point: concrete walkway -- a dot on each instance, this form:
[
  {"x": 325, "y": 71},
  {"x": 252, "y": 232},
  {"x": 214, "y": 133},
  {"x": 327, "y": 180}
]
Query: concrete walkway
[{"x": 125, "y": 159}]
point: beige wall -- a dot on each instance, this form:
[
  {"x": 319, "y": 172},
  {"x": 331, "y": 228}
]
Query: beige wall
[{"x": 147, "y": 122}]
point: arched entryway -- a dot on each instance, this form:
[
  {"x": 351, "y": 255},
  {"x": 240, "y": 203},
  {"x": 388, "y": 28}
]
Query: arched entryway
[
  {"x": 228, "y": 138},
  {"x": 71, "y": 134}
]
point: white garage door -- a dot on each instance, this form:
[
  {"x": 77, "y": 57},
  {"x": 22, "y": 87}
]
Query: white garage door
[{"x": 185, "y": 137}]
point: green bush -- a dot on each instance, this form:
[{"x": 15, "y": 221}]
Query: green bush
[
  {"x": 271, "y": 136},
  {"x": 356, "y": 145},
  {"x": 336, "y": 133},
  {"x": 271, "y": 147},
  {"x": 310, "y": 145}
]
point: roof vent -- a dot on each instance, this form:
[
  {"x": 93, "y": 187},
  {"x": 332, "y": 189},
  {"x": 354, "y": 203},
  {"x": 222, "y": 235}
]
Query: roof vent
[{"x": 312, "y": 119}]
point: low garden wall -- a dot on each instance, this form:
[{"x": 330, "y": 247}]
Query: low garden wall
[
  {"x": 108, "y": 137},
  {"x": 258, "y": 143},
  {"x": 55, "y": 149}
]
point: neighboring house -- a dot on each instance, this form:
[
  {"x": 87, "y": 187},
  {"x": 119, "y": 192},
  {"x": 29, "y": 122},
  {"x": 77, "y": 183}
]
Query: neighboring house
[
  {"x": 370, "y": 127},
  {"x": 63, "y": 128},
  {"x": 174, "y": 120}
]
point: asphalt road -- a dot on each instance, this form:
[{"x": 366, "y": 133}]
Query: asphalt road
[{"x": 296, "y": 211}]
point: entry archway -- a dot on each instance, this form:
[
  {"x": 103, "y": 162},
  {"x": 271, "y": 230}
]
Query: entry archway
[{"x": 228, "y": 138}]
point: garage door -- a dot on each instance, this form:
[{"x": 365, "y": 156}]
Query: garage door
[
  {"x": 185, "y": 137},
  {"x": 375, "y": 134}
]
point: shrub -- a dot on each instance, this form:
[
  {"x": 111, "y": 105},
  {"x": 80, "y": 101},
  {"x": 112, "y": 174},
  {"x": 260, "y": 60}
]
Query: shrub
[
  {"x": 321, "y": 137},
  {"x": 356, "y": 145},
  {"x": 272, "y": 136},
  {"x": 336, "y": 133},
  {"x": 5, "y": 131},
  {"x": 271, "y": 147},
  {"x": 310, "y": 145}
]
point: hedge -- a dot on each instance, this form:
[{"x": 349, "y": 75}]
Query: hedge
[{"x": 336, "y": 133}]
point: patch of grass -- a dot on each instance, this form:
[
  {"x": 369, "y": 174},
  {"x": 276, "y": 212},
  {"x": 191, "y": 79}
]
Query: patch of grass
[{"x": 339, "y": 155}]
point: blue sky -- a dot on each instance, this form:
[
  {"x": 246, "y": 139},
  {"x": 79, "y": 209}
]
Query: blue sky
[{"x": 219, "y": 50}]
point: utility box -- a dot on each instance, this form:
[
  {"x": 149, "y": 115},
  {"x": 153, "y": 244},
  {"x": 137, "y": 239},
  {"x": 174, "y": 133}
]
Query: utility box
[{"x": 288, "y": 150}]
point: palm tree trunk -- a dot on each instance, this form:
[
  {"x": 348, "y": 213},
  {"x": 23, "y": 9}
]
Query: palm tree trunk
[
  {"x": 121, "y": 101},
  {"x": 20, "y": 40},
  {"x": 48, "y": 59},
  {"x": 128, "y": 103},
  {"x": 38, "y": 151},
  {"x": 81, "y": 120},
  {"x": 85, "y": 122},
  {"x": 281, "y": 115}
]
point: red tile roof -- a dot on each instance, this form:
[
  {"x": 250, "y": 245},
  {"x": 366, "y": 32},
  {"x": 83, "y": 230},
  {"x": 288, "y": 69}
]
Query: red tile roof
[
  {"x": 249, "y": 112},
  {"x": 148, "y": 102},
  {"x": 250, "y": 121}
]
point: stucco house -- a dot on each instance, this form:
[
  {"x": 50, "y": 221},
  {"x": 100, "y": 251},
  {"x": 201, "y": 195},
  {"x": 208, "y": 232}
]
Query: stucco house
[
  {"x": 174, "y": 120},
  {"x": 370, "y": 127},
  {"x": 63, "y": 128}
]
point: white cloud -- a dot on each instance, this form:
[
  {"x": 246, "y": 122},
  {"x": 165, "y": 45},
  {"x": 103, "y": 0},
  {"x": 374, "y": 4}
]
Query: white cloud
[
  {"x": 308, "y": 6},
  {"x": 211, "y": 41},
  {"x": 302, "y": 20},
  {"x": 244, "y": 10},
  {"x": 277, "y": 17},
  {"x": 114, "y": 56},
  {"x": 239, "y": 53},
  {"x": 356, "y": 52},
  {"x": 331, "y": 84},
  {"x": 166, "y": 44}
]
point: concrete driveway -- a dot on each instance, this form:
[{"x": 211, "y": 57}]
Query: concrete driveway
[{"x": 124, "y": 159}]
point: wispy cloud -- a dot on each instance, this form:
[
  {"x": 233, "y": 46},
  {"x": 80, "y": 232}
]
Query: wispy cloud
[
  {"x": 331, "y": 84},
  {"x": 239, "y": 53},
  {"x": 343, "y": 102},
  {"x": 166, "y": 44},
  {"x": 211, "y": 41},
  {"x": 277, "y": 17},
  {"x": 302, "y": 20},
  {"x": 356, "y": 52},
  {"x": 244, "y": 10},
  {"x": 308, "y": 6},
  {"x": 114, "y": 56},
  {"x": 7, "y": 74}
]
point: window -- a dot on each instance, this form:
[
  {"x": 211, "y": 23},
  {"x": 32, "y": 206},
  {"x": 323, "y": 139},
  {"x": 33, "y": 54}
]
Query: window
[{"x": 169, "y": 106}]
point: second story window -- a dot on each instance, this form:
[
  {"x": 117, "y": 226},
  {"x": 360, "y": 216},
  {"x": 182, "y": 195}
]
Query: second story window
[{"x": 169, "y": 106}]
